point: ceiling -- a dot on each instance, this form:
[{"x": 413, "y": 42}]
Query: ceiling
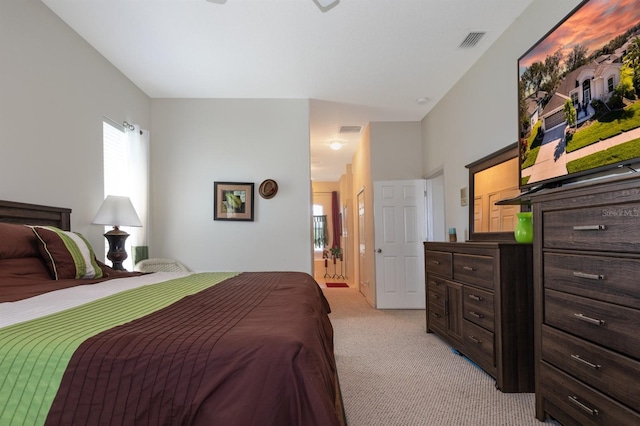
[{"x": 358, "y": 62}]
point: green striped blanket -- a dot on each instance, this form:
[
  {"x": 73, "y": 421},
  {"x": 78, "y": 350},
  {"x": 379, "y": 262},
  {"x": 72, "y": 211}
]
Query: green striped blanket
[{"x": 35, "y": 354}]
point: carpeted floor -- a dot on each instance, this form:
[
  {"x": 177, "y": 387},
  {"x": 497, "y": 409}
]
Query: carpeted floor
[{"x": 393, "y": 373}]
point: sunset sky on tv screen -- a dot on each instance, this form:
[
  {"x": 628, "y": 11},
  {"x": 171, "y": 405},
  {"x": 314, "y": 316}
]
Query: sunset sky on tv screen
[{"x": 592, "y": 26}]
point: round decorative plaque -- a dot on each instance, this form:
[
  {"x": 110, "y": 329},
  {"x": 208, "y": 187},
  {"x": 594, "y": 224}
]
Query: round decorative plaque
[{"x": 268, "y": 189}]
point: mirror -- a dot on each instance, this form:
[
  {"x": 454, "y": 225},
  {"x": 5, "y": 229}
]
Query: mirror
[{"x": 491, "y": 179}]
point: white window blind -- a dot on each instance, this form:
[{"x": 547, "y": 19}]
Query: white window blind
[{"x": 116, "y": 162}]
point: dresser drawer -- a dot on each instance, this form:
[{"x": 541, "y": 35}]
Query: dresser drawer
[
  {"x": 584, "y": 404},
  {"x": 473, "y": 269},
  {"x": 438, "y": 262},
  {"x": 437, "y": 288},
  {"x": 606, "y": 228},
  {"x": 613, "y": 374},
  {"x": 609, "y": 325},
  {"x": 480, "y": 345},
  {"x": 604, "y": 278},
  {"x": 436, "y": 298},
  {"x": 437, "y": 317},
  {"x": 478, "y": 307}
]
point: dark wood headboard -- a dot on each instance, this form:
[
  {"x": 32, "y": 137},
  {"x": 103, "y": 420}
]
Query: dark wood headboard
[{"x": 33, "y": 214}]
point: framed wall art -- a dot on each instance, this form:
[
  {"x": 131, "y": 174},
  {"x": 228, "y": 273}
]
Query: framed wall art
[{"x": 233, "y": 201}]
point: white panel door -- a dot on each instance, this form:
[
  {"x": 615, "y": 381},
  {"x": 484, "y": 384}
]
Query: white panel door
[{"x": 399, "y": 215}]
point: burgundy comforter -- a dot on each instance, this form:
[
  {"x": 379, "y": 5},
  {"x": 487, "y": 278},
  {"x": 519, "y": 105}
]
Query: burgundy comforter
[{"x": 256, "y": 349}]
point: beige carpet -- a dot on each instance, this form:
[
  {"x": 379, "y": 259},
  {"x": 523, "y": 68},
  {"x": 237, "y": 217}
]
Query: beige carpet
[{"x": 393, "y": 373}]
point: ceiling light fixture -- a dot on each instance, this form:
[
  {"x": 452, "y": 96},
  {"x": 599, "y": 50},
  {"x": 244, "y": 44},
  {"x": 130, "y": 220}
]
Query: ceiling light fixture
[
  {"x": 336, "y": 145},
  {"x": 422, "y": 101},
  {"x": 325, "y": 5}
]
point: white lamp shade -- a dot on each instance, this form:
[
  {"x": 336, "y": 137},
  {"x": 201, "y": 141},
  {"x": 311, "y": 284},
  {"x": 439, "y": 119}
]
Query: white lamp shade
[{"x": 117, "y": 211}]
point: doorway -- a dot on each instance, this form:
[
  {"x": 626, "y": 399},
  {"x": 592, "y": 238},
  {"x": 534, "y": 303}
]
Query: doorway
[
  {"x": 435, "y": 215},
  {"x": 322, "y": 226},
  {"x": 363, "y": 281}
]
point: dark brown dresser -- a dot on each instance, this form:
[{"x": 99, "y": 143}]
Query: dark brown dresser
[
  {"x": 480, "y": 300},
  {"x": 587, "y": 292}
]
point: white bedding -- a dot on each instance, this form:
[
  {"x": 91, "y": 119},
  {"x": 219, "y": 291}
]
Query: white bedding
[{"x": 60, "y": 300}]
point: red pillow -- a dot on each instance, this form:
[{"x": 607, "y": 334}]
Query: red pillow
[
  {"x": 17, "y": 241},
  {"x": 24, "y": 267}
]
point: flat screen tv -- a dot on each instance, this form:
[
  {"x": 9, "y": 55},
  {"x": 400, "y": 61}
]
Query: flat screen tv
[{"x": 579, "y": 96}]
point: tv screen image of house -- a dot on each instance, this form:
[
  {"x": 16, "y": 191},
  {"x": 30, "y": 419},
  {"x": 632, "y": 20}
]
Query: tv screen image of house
[{"x": 579, "y": 95}]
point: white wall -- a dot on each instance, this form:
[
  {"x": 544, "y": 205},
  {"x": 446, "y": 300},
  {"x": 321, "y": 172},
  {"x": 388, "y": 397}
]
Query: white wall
[
  {"x": 54, "y": 91},
  {"x": 195, "y": 142},
  {"x": 479, "y": 114},
  {"x": 396, "y": 150}
]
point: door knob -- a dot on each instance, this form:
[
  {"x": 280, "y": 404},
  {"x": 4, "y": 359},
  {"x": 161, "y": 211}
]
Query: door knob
[{"x": 379, "y": 250}]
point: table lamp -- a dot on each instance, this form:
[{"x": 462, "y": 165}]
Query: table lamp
[{"x": 117, "y": 211}]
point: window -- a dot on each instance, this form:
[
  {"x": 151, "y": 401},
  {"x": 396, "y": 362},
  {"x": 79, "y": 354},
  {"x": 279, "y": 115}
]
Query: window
[
  {"x": 610, "y": 84},
  {"x": 116, "y": 164},
  {"x": 574, "y": 98},
  {"x": 116, "y": 175},
  {"x": 319, "y": 228}
]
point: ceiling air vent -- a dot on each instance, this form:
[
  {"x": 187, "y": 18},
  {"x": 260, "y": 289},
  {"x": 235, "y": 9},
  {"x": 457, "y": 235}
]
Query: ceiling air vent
[
  {"x": 472, "y": 39},
  {"x": 350, "y": 129}
]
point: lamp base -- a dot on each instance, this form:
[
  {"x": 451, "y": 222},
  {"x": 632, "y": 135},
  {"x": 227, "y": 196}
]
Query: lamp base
[{"x": 117, "y": 254}]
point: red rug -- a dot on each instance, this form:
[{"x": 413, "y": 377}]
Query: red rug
[{"x": 337, "y": 285}]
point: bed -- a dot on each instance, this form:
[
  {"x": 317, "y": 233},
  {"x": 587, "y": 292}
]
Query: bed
[{"x": 108, "y": 347}]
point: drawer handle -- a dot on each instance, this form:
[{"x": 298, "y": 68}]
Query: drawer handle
[
  {"x": 590, "y": 320},
  {"x": 435, "y": 262},
  {"x": 589, "y": 228},
  {"x": 437, "y": 315},
  {"x": 469, "y": 268},
  {"x": 476, "y": 314},
  {"x": 583, "y": 407},
  {"x": 588, "y": 276},
  {"x": 436, "y": 283},
  {"x": 585, "y": 362},
  {"x": 435, "y": 296},
  {"x": 475, "y": 340},
  {"x": 474, "y": 297}
]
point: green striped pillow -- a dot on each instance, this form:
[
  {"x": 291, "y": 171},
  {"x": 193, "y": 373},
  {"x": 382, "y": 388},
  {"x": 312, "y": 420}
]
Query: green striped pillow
[{"x": 67, "y": 254}]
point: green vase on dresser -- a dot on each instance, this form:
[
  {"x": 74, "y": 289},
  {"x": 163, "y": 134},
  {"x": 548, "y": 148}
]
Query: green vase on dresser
[{"x": 524, "y": 228}]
